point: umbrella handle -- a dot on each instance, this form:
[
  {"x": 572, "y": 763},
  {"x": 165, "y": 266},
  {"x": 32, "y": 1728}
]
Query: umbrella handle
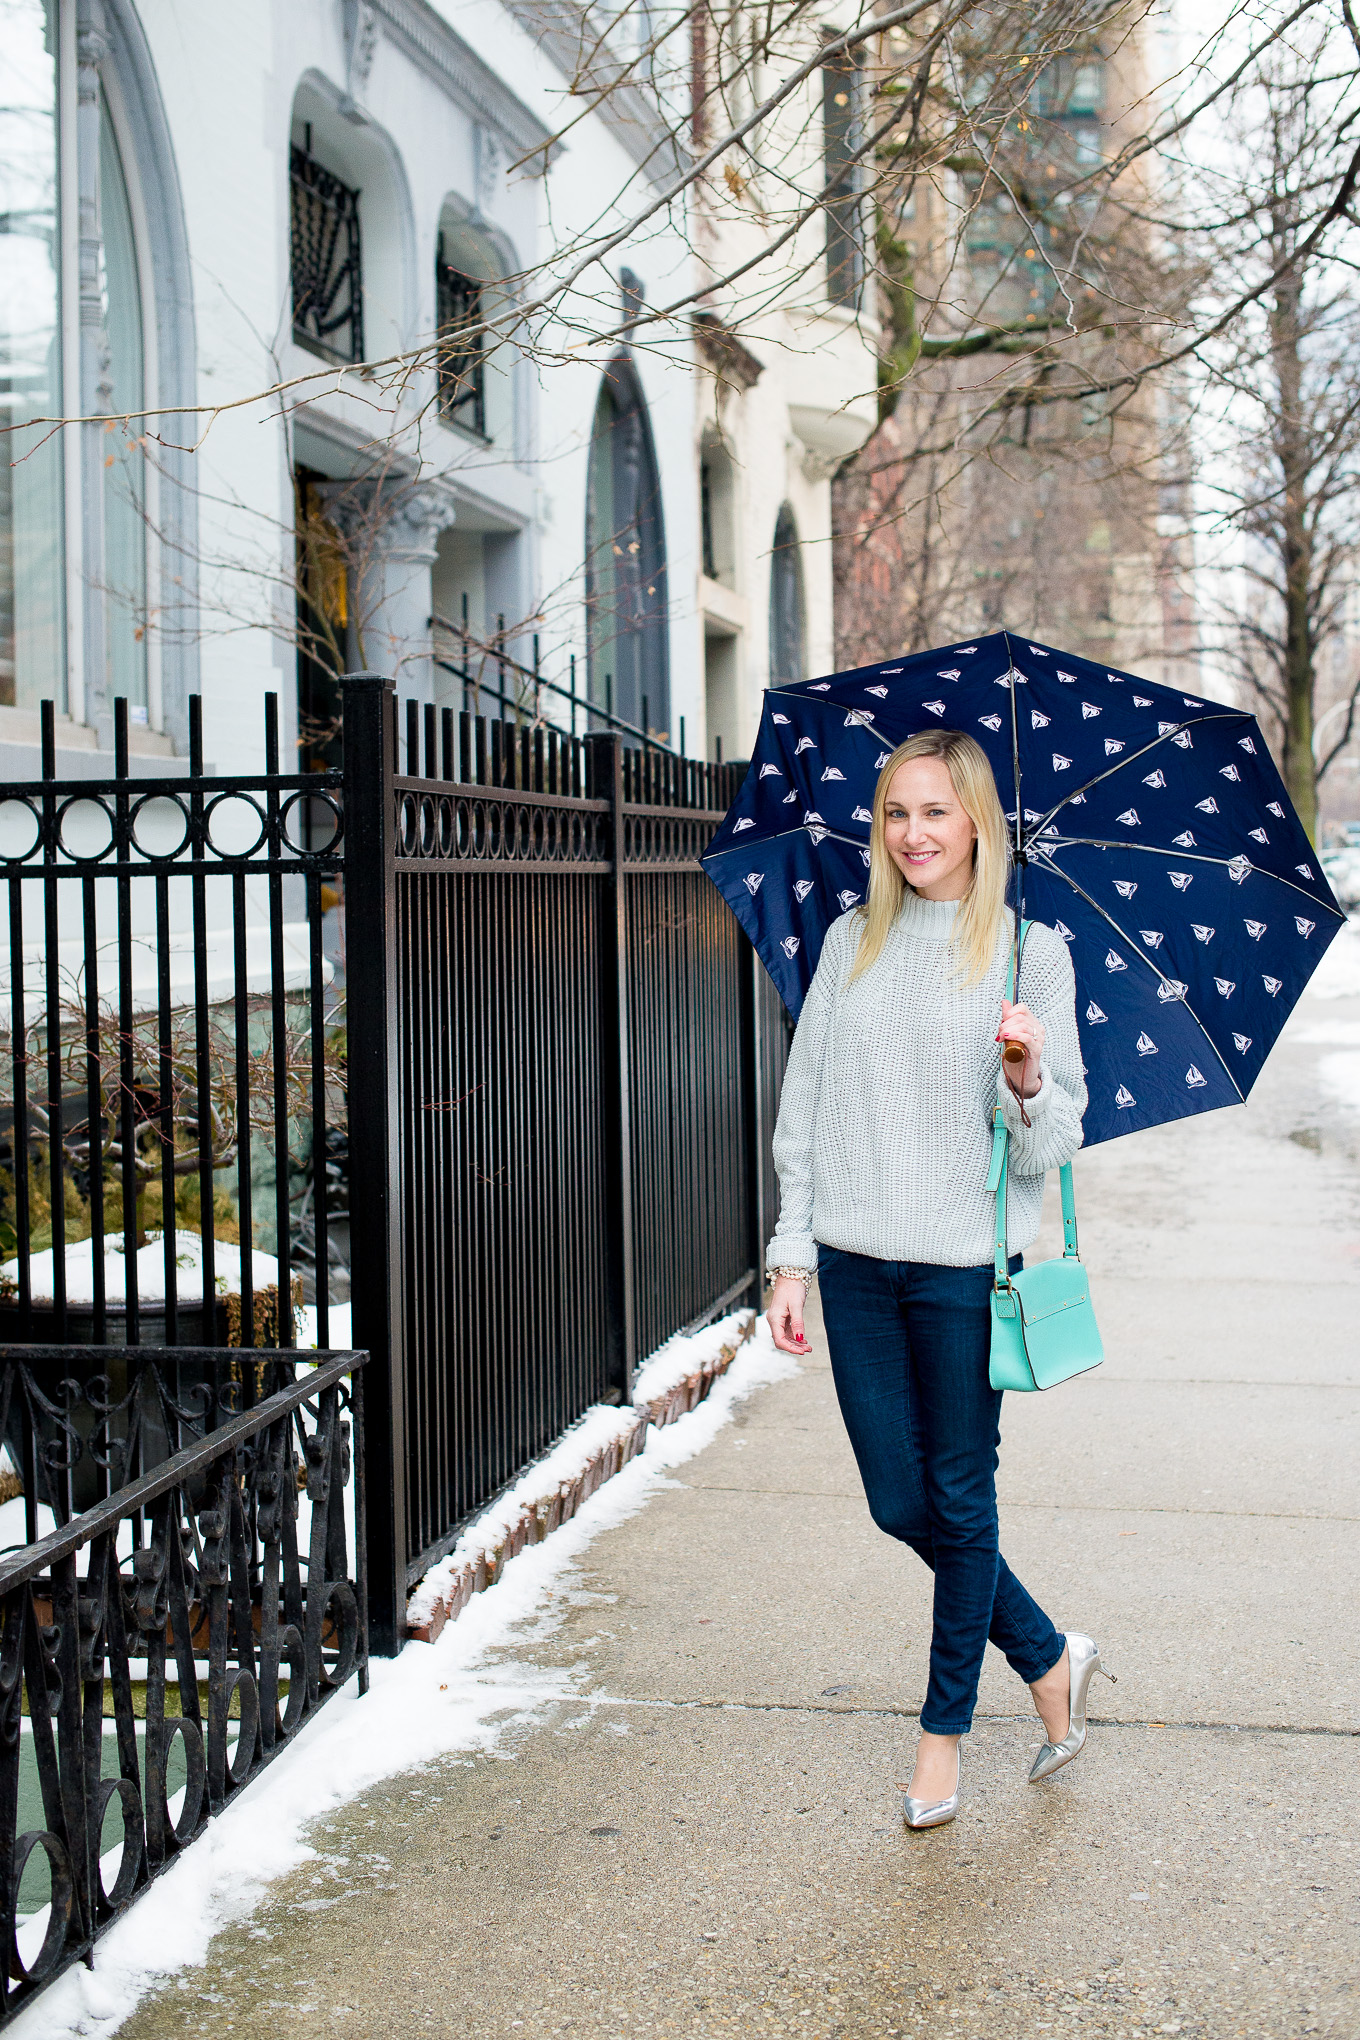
[{"x": 1014, "y": 1056}]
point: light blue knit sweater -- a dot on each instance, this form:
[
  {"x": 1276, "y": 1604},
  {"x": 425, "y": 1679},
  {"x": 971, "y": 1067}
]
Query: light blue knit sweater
[{"x": 884, "y": 1139}]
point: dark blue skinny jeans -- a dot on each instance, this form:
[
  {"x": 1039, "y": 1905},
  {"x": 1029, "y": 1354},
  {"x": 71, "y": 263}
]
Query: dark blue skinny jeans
[{"x": 909, "y": 1350}]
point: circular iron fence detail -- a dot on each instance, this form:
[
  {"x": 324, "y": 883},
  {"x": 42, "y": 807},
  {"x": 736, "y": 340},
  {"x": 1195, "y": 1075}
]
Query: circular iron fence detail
[
  {"x": 160, "y": 826},
  {"x": 20, "y": 830},
  {"x": 234, "y": 825},
  {"x": 294, "y": 1650},
  {"x": 482, "y": 828},
  {"x": 195, "y": 1778},
  {"x": 343, "y": 1610},
  {"x": 665, "y": 839},
  {"x": 59, "y": 1910},
  {"x": 84, "y": 829},
  {"x": 134, "y": 1841},
  {"x": 239, "y": 1762},
  {"x": 311, "y": 815}
]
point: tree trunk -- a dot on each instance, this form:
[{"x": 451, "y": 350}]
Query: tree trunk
[{"x": 1295, "y": 542}]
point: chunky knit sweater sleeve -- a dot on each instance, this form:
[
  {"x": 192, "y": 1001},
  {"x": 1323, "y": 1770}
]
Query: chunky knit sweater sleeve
[
  {"x": 1048, "y": 988},
  {"x": 793, "y": 1245}
]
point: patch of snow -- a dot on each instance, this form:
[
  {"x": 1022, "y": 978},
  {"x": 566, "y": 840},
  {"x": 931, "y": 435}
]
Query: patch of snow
[
  {"x": 1327, "y": 1034},
  {"x": 604, "y": 1425},
  {"x": 681, "y": 1356},
  {"x": 1340, "y": 1074},
  {"x": 340, "y": 1333},
  {"x": 1338, "y": 974},
  {"x": 595, "y": 1449},
  {"x": 431, "y": 1701},
  {"x": 150, "y": 1270}
]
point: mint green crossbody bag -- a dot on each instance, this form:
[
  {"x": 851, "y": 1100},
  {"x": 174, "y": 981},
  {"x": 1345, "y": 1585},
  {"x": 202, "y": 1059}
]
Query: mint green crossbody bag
[{"x": 1043, "y": 1327}]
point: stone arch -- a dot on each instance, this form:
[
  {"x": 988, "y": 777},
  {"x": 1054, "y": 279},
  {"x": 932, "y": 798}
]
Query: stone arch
[{"x": 366, "y": 158}]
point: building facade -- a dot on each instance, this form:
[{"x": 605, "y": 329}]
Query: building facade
[
  {"x": 212, "y": 218},
  {"x": 787, "y": 353}
]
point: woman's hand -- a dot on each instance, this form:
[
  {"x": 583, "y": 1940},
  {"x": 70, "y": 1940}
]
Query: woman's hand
[
  {"x": 1019, "y": 1024},
  {"x": 785, "y": 1315}
]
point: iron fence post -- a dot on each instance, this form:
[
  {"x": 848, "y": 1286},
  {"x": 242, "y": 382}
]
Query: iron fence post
[
  {"x": 369, "y": 724},
  {"x": 606, "y": 783}
]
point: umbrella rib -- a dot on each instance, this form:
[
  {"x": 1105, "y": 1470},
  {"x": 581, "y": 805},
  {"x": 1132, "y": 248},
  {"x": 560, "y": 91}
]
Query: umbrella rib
[
  {"x": 1192, "y": 857},
  {"x": 1157, "y": 971},
  {"x": 800, "y": 829},
  {"x": 1167, "y": 737}
]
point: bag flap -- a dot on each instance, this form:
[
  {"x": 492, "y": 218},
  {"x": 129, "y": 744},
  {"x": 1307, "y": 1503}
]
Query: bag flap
[{"x": 1050, "y": 1287}]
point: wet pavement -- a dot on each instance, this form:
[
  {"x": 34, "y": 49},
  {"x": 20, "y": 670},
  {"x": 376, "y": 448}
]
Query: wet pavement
[{"x": 707, "y": 1839}]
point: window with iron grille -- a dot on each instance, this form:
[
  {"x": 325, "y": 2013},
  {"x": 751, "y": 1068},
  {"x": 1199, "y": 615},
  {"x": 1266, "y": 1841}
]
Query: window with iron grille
[
  {"x": 328, "y": 314},
  {"x": 462, "y": 346}
]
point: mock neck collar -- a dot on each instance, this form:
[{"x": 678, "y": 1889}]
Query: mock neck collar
[{"x": 930, "y": 920}]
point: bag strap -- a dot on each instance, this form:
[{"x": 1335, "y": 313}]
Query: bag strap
[{"x": 997, "y": 1173}]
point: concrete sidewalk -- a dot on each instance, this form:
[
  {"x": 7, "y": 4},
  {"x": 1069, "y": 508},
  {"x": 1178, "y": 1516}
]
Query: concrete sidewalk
[{"x": 710, "y": 1842}]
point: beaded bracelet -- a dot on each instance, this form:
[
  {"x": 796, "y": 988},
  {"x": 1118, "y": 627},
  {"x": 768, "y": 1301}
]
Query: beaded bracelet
[{"x": 803, "y": 1275}]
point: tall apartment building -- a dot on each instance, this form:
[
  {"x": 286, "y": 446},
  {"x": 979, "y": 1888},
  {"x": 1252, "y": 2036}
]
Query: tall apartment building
[{"x": 1066, "y": 517}]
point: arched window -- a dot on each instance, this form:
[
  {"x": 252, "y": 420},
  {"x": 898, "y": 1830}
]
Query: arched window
[
  {"x": 101, "y": 546},
  {"x": 125, "y": 522},
  {"x": 32, "y": 622},
  {"x": 786, "y": 602},
  {"x": 626, "y": 608},
  {"x": 475, "y": 370}
]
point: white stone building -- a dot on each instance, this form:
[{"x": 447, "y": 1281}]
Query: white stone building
[
  {"x": 200, "y": 205},
  {"x": 785, "y": 404}
]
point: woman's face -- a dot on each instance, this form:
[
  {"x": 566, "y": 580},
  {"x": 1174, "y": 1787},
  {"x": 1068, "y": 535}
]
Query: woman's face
[{"x": 928, "y": 832}]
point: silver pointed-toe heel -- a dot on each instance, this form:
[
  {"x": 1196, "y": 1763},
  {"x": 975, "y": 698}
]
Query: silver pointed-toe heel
[
  {"x": 1083, "y": 1662},
  {"x": 929, "y": 1813}
]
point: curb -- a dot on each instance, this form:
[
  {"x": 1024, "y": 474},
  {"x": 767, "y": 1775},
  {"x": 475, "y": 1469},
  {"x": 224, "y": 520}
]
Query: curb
[{"x": 540, "y": 1516}]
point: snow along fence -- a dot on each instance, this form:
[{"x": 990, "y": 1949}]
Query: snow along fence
[
  {"x": 159, "y": 1648},
  {"x": 674, "y": 1381}
]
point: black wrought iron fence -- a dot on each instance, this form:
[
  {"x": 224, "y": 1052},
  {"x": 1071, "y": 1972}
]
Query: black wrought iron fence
[
  {"x": 173, "y": 1048},
  {"x": 556, "y": 1094},
  {"x": 479, "y": 998},
  {"x": 160, "y": 1647}
]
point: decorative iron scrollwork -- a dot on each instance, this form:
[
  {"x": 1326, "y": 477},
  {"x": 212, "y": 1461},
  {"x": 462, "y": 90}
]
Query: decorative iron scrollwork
[{"x": 231, "y": 1571}]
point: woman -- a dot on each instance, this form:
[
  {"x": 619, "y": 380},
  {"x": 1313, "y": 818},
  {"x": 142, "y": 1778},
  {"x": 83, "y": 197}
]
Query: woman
[{"x": 883, "y": 1146}]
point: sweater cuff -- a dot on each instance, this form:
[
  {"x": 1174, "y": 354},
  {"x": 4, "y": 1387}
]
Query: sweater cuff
[
  {"x": 1035, "y": 1106},
  {"x": 792, "y": 1250}
]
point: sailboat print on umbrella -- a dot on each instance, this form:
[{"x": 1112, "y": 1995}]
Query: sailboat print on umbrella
[{"x": 1150, "y": 828}]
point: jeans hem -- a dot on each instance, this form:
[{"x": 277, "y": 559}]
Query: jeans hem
[
  {"x": 954, "y": 1729},
  {"x": 1032, "y": 1679}
]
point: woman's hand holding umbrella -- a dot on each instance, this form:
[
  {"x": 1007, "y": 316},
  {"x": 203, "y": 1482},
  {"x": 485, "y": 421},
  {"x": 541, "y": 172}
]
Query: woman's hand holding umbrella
[{"x": 1022, "y": 1047}]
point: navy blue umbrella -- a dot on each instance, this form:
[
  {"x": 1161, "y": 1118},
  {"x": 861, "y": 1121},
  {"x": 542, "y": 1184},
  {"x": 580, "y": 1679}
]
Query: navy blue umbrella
[{"x": 1151, "y": 829}]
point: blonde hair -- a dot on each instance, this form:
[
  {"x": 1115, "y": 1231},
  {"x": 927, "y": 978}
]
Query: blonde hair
[{"x": 983, "y": 906}]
